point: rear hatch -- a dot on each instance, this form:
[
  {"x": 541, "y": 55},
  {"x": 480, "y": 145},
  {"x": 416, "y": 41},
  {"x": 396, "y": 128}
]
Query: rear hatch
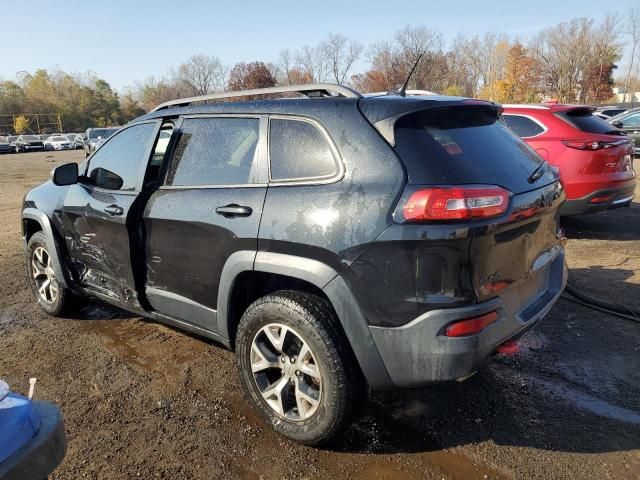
[
  {"x": 608, "y": 151},
  {"x": 463, "y": 147}
]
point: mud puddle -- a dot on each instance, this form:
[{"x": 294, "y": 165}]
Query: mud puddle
[{"x": 145, "y": 346}]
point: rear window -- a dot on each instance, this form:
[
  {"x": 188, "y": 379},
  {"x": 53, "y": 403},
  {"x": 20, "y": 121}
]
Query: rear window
[
  {"x": 585, "y": 121},
  {"x": 464, "y": 145}
]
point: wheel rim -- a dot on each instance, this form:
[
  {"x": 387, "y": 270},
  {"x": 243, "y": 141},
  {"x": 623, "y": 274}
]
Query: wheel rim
[
  {"x": 286, "y": 372},
  {"x": 44, "y": 276}
]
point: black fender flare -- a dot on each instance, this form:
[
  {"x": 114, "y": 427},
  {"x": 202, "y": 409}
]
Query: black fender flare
[
  {"x": 54, "y": 249},
  {"x": 324, "y": 277}
]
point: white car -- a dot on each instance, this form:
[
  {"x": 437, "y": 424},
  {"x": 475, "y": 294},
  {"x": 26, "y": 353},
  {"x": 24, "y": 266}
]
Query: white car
[{"x": 58, "y": 142}]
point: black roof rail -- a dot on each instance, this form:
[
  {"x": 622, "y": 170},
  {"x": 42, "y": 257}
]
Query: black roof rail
[{"x": 309, "y": 90}]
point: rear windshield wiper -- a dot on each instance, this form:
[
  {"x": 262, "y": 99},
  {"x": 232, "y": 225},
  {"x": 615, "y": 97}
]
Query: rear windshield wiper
[{"x": 537, "y": 173}]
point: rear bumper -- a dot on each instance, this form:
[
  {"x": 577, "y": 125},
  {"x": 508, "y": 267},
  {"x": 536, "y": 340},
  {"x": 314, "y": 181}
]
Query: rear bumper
[
  {"x": 617, "y": 197},
  {"x": 419, "y": 353},
  {"x": 43, "y": 453}
]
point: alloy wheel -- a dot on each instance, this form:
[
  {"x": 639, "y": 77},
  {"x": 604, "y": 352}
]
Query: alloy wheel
[
  {"x": 44, "y": 276},
  {"x": 286, "y": 372}
]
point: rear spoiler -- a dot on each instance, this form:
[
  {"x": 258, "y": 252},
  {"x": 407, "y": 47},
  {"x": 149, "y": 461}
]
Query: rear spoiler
[{"x": 383, "y": 112}]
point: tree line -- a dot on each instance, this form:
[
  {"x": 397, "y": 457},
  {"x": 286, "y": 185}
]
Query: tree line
[{"x": 573, "y": 61}]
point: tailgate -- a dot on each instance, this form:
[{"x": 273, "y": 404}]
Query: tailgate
[{"x": 516, "y": 251}]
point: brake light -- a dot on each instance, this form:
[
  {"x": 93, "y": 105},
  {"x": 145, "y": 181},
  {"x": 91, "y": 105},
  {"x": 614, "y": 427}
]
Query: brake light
[
  {"x": 456, "y": 203},
  {"x": 471, "y": 325}
]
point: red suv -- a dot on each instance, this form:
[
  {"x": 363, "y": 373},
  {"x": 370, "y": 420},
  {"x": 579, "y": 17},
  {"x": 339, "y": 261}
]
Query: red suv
[{"x": 594, "y": 158}]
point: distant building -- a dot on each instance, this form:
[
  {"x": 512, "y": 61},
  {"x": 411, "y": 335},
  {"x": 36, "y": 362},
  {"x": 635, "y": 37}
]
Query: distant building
[{"x": 631, "y": 97}]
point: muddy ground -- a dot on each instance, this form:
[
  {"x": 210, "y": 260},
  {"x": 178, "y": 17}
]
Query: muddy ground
[{"x": 141, "y": 400}]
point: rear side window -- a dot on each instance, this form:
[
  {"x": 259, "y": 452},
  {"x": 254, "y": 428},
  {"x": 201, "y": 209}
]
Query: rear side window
[
  {"x": 215, "y": 151},
  {"x": 524, "y": 127},
  {"x": 584, "y": 121},
  {"x": 463, "y": 145},
  {"x": 299, "y": 151}
]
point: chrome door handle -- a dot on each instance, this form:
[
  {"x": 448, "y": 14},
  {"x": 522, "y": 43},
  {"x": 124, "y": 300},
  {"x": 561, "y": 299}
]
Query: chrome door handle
[
  {"x": 234, "y": 210},
  {"x": 114, "y": 210}
]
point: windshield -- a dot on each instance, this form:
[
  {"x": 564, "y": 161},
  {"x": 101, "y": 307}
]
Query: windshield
[
  {"x": 59, "y": 139},
  {"x": 101, "y": 132},
  {"x": 12, "y": 138},
  {"x": 29, "y": 138},
  {"x": 464, "y": 145},
  {"x": 585, "y": 121}
]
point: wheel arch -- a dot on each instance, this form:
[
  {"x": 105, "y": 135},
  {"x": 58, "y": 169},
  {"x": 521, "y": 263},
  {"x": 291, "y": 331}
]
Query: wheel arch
[
  {"x": 311, "y": 275},
  {"x": 32, "y": 217}
]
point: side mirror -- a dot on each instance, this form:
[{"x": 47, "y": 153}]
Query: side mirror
[
  {"x": 617, "y": 124},
  {"x": 66, "y": 174}
]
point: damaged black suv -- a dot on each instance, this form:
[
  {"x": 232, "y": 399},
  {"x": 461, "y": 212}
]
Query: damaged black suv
[{"x": 337, "y": 242}]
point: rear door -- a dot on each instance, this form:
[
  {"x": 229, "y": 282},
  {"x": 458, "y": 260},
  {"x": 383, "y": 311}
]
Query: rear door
[
  {"x": 97, "y": 212},
  {"x": 208, "y": 209}
]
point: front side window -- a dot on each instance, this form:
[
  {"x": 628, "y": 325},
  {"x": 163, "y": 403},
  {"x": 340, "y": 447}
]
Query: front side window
[
  {"x": 116, "y": 164},
  {"x": 524, "y": 127},
  {"x": 215, "y": 151},
  {"x": 298, "y": 150}
]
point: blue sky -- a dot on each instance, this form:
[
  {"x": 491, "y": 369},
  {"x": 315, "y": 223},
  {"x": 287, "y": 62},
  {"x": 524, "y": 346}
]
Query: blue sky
[{"x": 124, "y": 41}]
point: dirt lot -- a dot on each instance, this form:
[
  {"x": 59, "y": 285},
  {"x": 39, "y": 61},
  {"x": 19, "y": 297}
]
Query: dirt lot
[{"x": 143, "y": 400}]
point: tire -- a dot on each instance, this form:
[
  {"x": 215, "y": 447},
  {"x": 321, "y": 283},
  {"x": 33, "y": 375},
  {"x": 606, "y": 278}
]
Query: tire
[
  {"x": 54, "y": 299},
  {"x": 335, "y": 383}
]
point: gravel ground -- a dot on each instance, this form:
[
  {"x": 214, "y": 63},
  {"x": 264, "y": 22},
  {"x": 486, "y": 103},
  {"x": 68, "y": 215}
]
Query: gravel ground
[{"x": 143, "y": 400}]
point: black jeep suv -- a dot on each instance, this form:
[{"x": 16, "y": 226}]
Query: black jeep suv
[{"x": 335, "y": 242}]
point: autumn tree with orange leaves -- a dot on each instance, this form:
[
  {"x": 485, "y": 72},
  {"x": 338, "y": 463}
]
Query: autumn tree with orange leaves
[{"x": 521, "y": 80}]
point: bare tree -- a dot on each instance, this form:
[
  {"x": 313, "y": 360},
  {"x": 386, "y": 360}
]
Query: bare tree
[
  {"x": 312, "y": 63},
  {"x": 340, "y": 55},
  {"x": 201, "y": 74},
  {"x": 632, "y": 28}
]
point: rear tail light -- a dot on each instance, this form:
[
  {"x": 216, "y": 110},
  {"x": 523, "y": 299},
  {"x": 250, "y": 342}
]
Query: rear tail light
[
  {"x": 471, "y": 325},
  {"x": 581, "y": 145},
  {"x": 455, "y": 203},
  {"x": 592, "y": 144}
]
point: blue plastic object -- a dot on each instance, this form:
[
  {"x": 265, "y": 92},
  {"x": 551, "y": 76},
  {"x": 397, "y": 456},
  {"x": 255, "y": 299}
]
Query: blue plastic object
[{"x": 19, "y": 422}]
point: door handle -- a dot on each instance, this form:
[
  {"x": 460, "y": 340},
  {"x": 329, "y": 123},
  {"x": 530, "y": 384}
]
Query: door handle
[
  {"x": 234, "y": 210},
  {"x": 114, "y": 210}
]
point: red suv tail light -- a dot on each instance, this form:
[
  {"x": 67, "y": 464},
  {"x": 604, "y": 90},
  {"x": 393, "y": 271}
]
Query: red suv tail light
[
  {"x": 455, "y": 203},
  {"x": 592, "y": 144}
]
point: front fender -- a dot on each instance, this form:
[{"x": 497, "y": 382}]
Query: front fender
[{"x": 53, "y": 247}]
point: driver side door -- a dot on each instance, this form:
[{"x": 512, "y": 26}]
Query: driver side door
[{"x": 99, "y": 213}]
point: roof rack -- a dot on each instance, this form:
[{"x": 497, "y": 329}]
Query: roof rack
[{"x": 311, "y": 90}]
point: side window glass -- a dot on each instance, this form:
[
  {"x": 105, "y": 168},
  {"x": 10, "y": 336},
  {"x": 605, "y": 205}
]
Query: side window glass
[
  {"x": 632, "y": 121},
  {"x": 116, "y": 164},
  {"x": 298, "y": 150},
  {"x": 215, "y": 151},
  {"x": 522, "y": 126}
]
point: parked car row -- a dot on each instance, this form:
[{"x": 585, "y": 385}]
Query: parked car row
[{"x": 90, "y": 140}]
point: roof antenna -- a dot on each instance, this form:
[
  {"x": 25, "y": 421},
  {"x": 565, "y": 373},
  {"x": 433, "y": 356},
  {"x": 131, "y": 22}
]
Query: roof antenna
[{"x": 402, "y": 91}]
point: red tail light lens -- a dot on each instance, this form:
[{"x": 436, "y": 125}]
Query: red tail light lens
[
  {"x": 581, "y": 145},
  {"x": 455, "y": 203},
  {"x": 471, "y": 325}
]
